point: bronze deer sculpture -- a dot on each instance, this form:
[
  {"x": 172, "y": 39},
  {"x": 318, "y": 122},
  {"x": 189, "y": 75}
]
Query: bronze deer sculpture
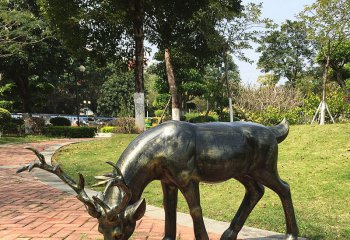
[{"x": 181, "y": 155}]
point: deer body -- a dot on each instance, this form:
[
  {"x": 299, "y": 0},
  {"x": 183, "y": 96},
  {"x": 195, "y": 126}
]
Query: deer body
[
  {"x": 181, "y": 155},
  {"x": 179, "y": 152}
]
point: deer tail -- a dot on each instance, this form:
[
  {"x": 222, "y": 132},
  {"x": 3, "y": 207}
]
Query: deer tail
[{"x": 281, "y": 130}]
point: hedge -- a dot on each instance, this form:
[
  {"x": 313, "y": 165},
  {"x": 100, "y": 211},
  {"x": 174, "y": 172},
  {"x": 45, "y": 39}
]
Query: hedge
[
  {"x": 60, "y": 121},
  {"x": 70, "y": 132},
  {"x": 108, "y": 129}
]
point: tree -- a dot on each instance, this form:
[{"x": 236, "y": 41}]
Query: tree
[
  {"x": 189, "y": 83},
  {"x": 32, "y": 57},
  {"x": 216, "y": 85},
  {"x": 268, "y": 79},
  {"x": 286, "y": 52},
  {"x": 110, "y": 30},
  {"x": 340, "y": 57},
  {"x": 187, "y": 27},
  {"x": 328, "y": 24},
  {"x": 117, "y": 95},
  {"x": 16, "y": 21},
  {"x": 236, "y": 31}
]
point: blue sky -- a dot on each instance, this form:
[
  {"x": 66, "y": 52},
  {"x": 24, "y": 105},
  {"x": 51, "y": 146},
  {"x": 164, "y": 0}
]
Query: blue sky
[{"x": 278, "y": 11}]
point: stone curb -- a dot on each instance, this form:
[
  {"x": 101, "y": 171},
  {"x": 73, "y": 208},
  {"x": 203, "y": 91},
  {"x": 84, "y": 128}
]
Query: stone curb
[{"x": 213, "y": 226}]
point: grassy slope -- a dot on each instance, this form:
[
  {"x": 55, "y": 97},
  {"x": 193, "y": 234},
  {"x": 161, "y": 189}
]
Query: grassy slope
[{"x": 314, "y": 160}]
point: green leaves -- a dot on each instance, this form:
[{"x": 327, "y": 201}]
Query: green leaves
[
  {"x": 117, "y": 95},
  {"x": 19, "y": 29},
  {"x": 285, "y": 52}
]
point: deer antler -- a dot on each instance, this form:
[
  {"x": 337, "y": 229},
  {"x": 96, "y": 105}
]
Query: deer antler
[
  {"x": 110, "y": 180},
  {"x": 57, "y": 170}
]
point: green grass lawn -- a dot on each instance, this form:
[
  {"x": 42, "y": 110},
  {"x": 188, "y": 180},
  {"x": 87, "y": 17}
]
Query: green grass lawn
[
  {"x": 314, "y": 160},
  {"x": 24, "y": 139}
]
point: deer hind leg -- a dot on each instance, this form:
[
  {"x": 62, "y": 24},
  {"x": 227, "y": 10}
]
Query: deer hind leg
[
  {"x": 170, "y": 193},
  {"x": 191, "y": 194},
  {"x": 273, "y": 181},
  {"x": 254, "y": 192}
]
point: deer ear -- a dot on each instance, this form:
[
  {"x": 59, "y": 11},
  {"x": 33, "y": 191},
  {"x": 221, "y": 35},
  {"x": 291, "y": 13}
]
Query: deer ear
[{"x": 136, "y": 211}]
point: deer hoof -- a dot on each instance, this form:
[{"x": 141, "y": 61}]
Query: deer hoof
[
  {"x": 229, "y": 235},
  {"x": 168, "y": 238}
]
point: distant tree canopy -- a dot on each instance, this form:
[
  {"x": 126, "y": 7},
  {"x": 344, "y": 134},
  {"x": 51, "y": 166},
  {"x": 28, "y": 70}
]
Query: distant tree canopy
[
  {"x": 32, "y": 58},
  {"x": 286, "y": 52},
  {"x": 117, "y": 96}
]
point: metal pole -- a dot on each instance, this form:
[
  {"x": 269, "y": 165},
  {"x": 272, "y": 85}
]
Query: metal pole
[
  {"x": 228, "y": 87},
  {"x": 76, "y": 98}
]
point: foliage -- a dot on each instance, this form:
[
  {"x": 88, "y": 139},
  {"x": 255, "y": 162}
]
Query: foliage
[
  {"x": 337, "y": 101},
  {"x": 108, "y": 129},
  {"x": 161, "y": 100},
  {"x": 60, "y": 121},
  {"x": 269, "y": 105},
  {"x": 183, "y": 38},
  {"x": 104, "y": 28},
  {"x": 327, "y": 26},
  {"x": 6, "y": 104},
  {"x": 327, "y": 21},
  {"x": 124, "y": 124},
  {"x": 195, "y": 117},
  {"x": 16, "y": 21},
  {"x": 285, "y": 52},
  {"x": 268, "y": 79},
  {"x": 32, "y": 59},
  {"x": 117, "y": 96},
  {"x": 158, "y": 113},
  {"x": 5, "y": 116},
  {"x": 202, "y": 119},
  {"x": 314, "y": 172},
  {"x": 70, "y": 132},
  {"x": 237, "y": 33},
  {"x": 13, "y": 127},
  {"x": 340, "y": 57},
  {"x": 216, "y": 88}
]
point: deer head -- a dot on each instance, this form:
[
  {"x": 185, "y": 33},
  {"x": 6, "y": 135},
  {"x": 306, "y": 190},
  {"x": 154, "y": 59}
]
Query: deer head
[
  {"x": 117, "y": 218},
  {"x": 115, "y": 214}
]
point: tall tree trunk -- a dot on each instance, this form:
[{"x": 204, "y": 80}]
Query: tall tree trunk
[
  {"x": 22, "y": 84},
  {"x": 175, "y": 112},
  {"x": 137, "y": 14}
]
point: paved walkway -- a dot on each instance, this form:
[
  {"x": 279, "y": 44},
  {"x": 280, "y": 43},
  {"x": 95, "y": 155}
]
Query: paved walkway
[{"x": 37, "y": 206}]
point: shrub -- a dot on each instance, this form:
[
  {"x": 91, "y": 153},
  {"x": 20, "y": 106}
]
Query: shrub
[
  {"x": 108, "y": 129},
  {"x": 202, "y": 119},
  {"x": 34, "y": 125},
  {"x": 269, "y": 105},
  {"x": 158, "y": 113},
  {"x": 13, "y": 127},
  {"x": 60, "y": 121},
  {"x": 124, "y": 124},
  {"x": 7, "y": 105},
  {"x": 70, "y": 132},
  {"x": 5, "y": 116},
  {"x": 195, "y": 117}
]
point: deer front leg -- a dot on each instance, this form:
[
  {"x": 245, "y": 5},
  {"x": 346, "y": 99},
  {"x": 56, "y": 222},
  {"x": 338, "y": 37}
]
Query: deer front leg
[
  {"x": 170, "y": 205},
  {"x": 192, "y": 196}
]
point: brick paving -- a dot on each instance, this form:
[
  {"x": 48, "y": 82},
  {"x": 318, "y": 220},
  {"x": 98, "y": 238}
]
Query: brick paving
[{"x": 31, "y": 210}]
